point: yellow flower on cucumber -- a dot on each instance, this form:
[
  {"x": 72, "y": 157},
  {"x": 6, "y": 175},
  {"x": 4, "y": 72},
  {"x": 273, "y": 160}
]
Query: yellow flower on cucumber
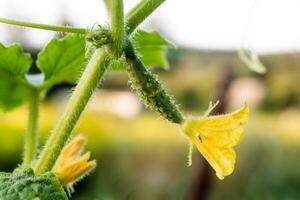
[
  {"x": 215, "y": 137},
  {"x": 71, "y": 165}
]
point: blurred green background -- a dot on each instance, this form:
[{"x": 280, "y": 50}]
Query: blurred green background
[{"x": 142, "y": 156}]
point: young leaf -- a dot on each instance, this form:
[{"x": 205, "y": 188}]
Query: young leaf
[
  {"x": 14, "y": 60},
  {"x": 62, "y": 60},
  {"x": 14, "y": 64},
  {"x": 152, "y": 48}
]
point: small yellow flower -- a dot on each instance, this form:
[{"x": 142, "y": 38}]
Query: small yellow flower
[
  {"x": 71, "y": 165},
  {"x": 215, "y": 137}
]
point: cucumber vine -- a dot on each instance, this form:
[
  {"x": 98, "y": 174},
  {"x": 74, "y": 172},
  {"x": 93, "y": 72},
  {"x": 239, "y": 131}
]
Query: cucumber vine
[{"x": 94, "y": 51}]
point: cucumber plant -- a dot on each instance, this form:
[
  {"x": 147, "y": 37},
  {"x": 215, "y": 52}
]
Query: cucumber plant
[{"x": 82, "y": 57}]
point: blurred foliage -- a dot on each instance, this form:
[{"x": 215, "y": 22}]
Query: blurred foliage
[
  {"x": 145, "y": 157},
  {"x": 267, "y": 169}
]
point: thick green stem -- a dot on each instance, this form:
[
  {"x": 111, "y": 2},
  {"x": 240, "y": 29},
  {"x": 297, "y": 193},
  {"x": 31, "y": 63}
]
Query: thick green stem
[
  {"x": 140, "y": 12},
  {"x": 90, "y": 78},
  {"x": 31, "y": 137},
  {"x": 117, "y": 27},
  {"x": 79, "y": 99},
  {"x": 43, "y": 26},
  {"x": 149, "y": 88}
]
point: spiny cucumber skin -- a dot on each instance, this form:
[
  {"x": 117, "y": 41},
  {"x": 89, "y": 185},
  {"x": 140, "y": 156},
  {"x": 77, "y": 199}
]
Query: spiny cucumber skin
[
  {"x": 149, "y": 88},
  {"x": 24, "y": 185}
]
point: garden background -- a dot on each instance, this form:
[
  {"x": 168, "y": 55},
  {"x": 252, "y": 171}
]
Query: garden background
[{"x": 142, "y": 156}]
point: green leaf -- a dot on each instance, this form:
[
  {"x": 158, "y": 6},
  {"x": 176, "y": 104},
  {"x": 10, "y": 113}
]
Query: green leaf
[
  {"x": 14, "y": 64},
  {"x": 152, "y": 48},
  {"x": 12, "y": 93},
  {"x": 62, "y": 60},
  {"x": 24, "y": 185},
  {"x": 14, "y": 60}
]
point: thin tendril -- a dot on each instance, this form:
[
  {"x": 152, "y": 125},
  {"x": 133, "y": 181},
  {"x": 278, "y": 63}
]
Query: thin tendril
[
  {"x": 247, "y": 25},
  {"x": 43, "y": 26}
]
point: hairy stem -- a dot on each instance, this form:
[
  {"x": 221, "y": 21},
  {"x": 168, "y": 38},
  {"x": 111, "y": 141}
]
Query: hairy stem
[
  {"x": 89, "y": 80},
  {"x": 117, "y": 27},
  {"x": 140, "y": 12},
  {"x": 31, "y": 137},
  {"x": 79, "y": 99},
  {"x": 43, "y": 26}
]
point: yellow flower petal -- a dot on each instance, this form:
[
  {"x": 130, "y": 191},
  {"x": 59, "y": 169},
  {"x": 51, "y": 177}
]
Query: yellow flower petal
[
  {"x": 71, "y": 151},
  {"x": 75, "y": 170},
  {"x": 216, "y": 136},
  {"x": 71, "y": 166}
]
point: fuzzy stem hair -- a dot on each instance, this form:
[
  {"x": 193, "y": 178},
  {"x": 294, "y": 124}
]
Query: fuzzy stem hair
[{"x": 87, "y": 84}]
